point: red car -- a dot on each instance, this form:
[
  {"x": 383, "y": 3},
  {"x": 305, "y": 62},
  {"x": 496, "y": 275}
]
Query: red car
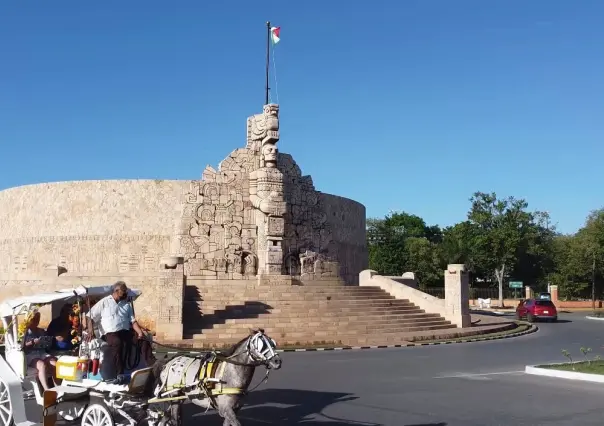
[{"x": 532, "y": 310}]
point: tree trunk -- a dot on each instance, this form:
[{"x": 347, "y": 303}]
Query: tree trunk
[
  {"x": 593, "y": 284},
  {"x": 499, "y": 277}
]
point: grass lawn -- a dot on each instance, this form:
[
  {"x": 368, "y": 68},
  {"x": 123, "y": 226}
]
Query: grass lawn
[{"x": 593, "y": 367}]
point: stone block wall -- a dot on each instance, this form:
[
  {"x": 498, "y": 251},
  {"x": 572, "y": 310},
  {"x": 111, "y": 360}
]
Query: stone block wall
[
  {"x": 347, "y": 220},
  {"x": 109, "y": 227},
  {"x": 160, "y": 303}
]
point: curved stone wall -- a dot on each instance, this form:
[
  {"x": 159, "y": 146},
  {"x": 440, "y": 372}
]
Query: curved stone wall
[
  {"x": 114, "y": 227},
  {"x": 109, "y": 226},
  {"x": 347, "y": 219},
  {"x": 97, "y": 207}
]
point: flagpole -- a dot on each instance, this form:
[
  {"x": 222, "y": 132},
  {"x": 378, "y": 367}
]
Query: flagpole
[{"x": 268, "y": 49}]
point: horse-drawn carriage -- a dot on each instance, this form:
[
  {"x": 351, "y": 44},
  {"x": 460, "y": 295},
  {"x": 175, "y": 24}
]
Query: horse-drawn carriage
[{"x": 89, "y": 392}]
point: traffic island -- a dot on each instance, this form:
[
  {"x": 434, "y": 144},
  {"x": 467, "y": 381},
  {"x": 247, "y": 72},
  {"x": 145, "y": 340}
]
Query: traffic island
[
  {"x": 477, "y": 334},
  {"x": 587, "y": 371},
  {"x": 596, "y": 316}
]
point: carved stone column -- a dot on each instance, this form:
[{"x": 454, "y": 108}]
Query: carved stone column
[{"x": 266, "y": 192}]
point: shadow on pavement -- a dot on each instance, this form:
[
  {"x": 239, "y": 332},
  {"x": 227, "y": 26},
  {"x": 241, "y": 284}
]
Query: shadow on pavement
[
  {"x": 430, "y": 424},
  {"x": 286, "y": 407}
]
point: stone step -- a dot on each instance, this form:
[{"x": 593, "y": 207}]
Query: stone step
[
  {"x": 286, "y": 327},
  {"x": 309, "y": 303},
  {"x": 287, "y": 296},
  {"x": 284, "y": 295},
  {"x": 203, "y": 321},
  {"x": 315, "y": 336},
  {"x": 253, "y": 284},
  {"x": 276, "y": 318},
  {"x": 327, "y": 316},
  {"x": 291, "y": 289},
  {"x": 232, "y": 312},
  {"x": 209, "y": 320}
]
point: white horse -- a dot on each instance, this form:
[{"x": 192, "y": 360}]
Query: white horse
[{"x": 215, "y": 380}]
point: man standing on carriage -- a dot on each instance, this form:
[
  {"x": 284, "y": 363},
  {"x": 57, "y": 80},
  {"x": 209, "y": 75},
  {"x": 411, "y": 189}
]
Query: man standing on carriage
[{"x": 115, "y": 315}]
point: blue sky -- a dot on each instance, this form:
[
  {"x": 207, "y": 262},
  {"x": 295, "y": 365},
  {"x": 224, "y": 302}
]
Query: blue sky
[{"x": 403, "y": 105}]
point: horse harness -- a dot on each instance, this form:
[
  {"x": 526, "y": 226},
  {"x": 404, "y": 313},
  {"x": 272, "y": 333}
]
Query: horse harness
[
  {"x": 207, "y": 373},
  {"x": 208, "y": 378}
]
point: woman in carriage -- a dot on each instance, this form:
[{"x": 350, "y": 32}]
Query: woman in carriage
[{"x": 34, "y": 345}]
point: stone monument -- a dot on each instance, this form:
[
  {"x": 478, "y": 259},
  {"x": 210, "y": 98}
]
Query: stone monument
[{"x": 256, "y": 217}]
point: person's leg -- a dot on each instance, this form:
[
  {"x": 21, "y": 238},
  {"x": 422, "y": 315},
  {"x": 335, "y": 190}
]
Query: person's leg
[
  {"x": 114, "y": 351},
  {"x": 129, "y": 350},
  {"x": 51, "y": 363},
  {"x": 42, "y": 373}
]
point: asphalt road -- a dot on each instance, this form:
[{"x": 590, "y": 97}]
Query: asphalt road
[{"x": 474, "y": 384}]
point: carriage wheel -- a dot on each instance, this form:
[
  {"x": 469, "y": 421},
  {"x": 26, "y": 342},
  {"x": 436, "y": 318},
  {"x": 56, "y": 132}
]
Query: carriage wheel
[
  {"x": 6, "y": 408},
  {"x": 97, "y": 415},
  {"x": 72, "y": 414}
]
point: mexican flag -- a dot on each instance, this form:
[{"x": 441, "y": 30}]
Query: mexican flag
[{"x": 275, "y": 31}]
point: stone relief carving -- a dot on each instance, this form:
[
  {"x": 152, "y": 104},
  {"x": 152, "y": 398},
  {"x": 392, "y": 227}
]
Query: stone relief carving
[
  {"x": 256, "y": 213},
  {"x": 238, "y": 209},
  {"x": 266, "y": 195},
  {"x": 84, "y": 253},
  {"x": 263, "y": 127}
]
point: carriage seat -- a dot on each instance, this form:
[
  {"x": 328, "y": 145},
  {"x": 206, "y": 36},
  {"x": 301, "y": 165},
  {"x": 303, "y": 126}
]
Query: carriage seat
[{"x": 70, "y": 393}]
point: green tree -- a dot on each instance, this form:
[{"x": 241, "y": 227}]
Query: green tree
[
  {"x": 591, "y": 240},
  {"x": 571, "y": 271},
  {"x": 456, "y": 246},
  {"x": 424, "y": 259},
  {"x": 536, "y": 252},
  {"x": 502, "y": 229},
  {"x": 402, "y": 242}
]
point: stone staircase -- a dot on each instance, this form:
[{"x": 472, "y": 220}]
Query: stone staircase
[{"x": 316, "y": 312}]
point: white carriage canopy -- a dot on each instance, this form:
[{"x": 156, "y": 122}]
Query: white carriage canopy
[{"x": 22, "y": 304}]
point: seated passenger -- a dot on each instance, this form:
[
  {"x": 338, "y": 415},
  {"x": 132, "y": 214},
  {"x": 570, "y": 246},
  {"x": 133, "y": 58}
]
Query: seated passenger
[
  {"x": 60, "y": 329},
  {"x": 35, "y": 357}
]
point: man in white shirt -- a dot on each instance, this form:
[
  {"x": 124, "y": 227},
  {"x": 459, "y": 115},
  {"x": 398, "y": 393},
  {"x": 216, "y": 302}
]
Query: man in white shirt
[{"x": 115, "y": 316}]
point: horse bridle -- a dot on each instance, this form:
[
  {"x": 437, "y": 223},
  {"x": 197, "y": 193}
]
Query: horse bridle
[{"x": 261, "y": 354}]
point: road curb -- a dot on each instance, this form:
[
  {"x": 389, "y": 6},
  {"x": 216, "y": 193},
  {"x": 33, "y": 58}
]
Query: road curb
[
  {"x": 589, "y": 317},
  {"x": 533, "y": 328},
  {"x": 562, "y": 374}
]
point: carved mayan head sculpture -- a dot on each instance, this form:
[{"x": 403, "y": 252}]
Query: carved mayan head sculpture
[
  {"x": 263, "y": 128},
  {"x": 269, "y": 155},
  {"x": 271, "y": 116}
]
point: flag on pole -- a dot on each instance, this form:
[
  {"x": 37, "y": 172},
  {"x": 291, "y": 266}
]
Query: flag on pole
[{"x": 275, "y": 31}]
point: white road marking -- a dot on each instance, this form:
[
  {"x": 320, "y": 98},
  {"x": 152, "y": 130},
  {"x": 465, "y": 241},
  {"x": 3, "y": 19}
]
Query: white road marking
[{"x": 470, "y": 375}]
